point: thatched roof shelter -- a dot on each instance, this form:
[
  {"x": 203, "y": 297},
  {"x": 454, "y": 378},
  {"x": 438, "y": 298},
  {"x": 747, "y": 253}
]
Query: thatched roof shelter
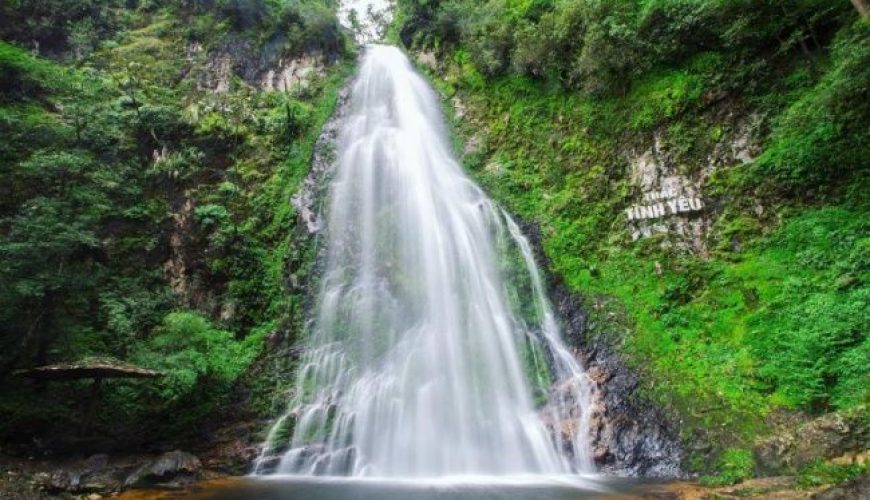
[{"x": 95, "y": 368}]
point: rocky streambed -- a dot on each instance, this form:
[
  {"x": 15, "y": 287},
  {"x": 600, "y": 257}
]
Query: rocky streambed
[
  {"x": 180, "y": 475},
  {"x": 98, "y": 475}
]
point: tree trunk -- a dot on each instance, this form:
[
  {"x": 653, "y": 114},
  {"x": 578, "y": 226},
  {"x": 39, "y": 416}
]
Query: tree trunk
[{"x": 862, "y": 7}]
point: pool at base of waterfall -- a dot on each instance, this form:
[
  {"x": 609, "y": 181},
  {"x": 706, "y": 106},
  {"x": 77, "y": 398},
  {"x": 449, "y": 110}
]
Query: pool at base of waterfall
[{"x": 284, "y": 487}]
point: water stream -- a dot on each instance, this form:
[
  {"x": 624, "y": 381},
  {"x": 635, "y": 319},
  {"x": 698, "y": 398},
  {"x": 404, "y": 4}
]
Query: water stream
[{"x": 433, "y": 350}]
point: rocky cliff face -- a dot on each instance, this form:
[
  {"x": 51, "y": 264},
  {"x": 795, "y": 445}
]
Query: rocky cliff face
[
  {"x": 630, "y": 436},
  {"x": 265, "y": 69},
  {"x": 842, "y": 437},
  {"x": 220, "y": 70},
  {"x": 313, "y": 188},
  {"x": 669, "y": 197}
]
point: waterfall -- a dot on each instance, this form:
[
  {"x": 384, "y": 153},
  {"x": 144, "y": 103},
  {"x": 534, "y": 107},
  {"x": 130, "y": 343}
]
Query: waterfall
[{"x": 433, "y": 349}]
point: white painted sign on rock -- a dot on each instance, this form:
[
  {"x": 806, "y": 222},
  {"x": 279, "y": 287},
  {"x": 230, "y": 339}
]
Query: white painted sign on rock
[{"x": 664, "y": 208}]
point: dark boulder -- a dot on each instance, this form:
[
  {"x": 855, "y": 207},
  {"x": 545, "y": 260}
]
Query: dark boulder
[
  {"x": 630, "y": 435},
  {"x": 174, "y": 469},
  {"x": 91, "y": 476}
]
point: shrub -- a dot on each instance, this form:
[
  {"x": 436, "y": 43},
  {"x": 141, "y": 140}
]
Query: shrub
[
  {"x": 200, "y": 364},
  {"x": 193, "y": 353},
  {"x": 733, "y": 466},
  {"x": 821, "y": 139},
  {"x": 819, "y": 472}
]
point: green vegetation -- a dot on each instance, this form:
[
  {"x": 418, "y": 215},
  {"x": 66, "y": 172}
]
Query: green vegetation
[
  {"x": 767, "y": 313},
  {"x": 200, "y": 365},
  {"x": 734, "y": 465},
  {"x": 820, "y": 472},
  {"x": 145, "y": 216}
]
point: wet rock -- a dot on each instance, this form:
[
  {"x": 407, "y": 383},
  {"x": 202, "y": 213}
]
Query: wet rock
[
  {"x": 269, "y": 464},
  {"x": 62, "y": 480},
  {"x": 174, "y": 469},
  {"x": 630, "y": 436},
  {"x": 761, "y": 486},
  {"x": 779, "y": 488},
  {"x": 232, "y": 450},
  {"x": 829, "y": 436},
  {"x": 92, "y": 475},
  {"x": 313, "y": 187},
  {"x": 855, "y": 488}
]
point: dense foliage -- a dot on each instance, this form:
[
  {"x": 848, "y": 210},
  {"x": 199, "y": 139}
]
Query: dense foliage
[
  {"x": 739, "y": 46},
  {"x": 143, "y": 215},
  {"x": 769, "y": 312}
]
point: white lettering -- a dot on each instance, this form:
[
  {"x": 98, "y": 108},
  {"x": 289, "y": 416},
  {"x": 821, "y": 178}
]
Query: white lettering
[
  {"x": 670, "y": 204},
  {"x": 684, "y": 205},
  {"x": 643, "y": 212}
]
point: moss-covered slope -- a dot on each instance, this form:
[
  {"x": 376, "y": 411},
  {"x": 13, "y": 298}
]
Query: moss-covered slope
[
  {"x": 149, "y": 152},
  {"x": 749, "y": 309}
]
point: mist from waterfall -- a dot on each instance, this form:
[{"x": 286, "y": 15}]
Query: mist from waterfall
[{"x": 433, "y": 350}]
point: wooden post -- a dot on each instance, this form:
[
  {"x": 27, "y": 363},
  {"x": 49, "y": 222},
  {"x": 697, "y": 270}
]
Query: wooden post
[
  {"x": 94, "y": 403},
  {"x": 862, "y": 7}
]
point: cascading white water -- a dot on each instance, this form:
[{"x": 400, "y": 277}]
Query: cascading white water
[{"x": 434, "y": 350}]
